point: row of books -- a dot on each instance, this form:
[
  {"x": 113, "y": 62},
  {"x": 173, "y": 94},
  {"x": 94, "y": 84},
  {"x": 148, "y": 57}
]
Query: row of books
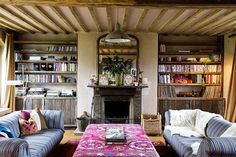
[
  {"x": 208, "y": 79},
  {"x": 64, "y": 48},
  {"x": 166, "y": 91},
  {"x": 212, "y": 92},
  {"x": 62, "y": 67},
  {"x": 46, "y": 78},
  {"x": 189, "y": 68}
]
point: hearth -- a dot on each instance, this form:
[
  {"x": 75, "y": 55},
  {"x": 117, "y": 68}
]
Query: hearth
[
  {"x": 116, "y": 109},
  {"x": 116, "y": 104}
]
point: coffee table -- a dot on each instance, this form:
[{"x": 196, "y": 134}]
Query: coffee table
[{"x": 93, "y": 144}]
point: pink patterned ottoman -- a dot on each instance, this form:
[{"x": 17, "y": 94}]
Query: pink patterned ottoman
[{"x": 93, "y": 144}]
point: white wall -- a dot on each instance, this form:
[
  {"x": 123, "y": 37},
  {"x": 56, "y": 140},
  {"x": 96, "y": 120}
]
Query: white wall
[
  {"x": 148, "y": 49},
  {"x": 87, "y": 65},
  {"x": 229, "y": 48}
]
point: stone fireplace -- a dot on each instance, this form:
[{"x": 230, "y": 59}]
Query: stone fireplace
[{"x": 117, "y": 104}]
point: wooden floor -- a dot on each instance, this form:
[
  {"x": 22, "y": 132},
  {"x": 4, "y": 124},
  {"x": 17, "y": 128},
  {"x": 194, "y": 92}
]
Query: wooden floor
[{"x": 69, "y": 135}]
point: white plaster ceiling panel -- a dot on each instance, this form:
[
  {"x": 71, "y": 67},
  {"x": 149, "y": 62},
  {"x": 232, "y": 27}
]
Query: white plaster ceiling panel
[
  {"x": 133, "y": 17},
  {"x": 101, "y": 15},
  {"x": 149, "y": 18}
]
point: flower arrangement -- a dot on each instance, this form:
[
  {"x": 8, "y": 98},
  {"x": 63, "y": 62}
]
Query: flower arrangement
[{"x": 117, "y": 65}]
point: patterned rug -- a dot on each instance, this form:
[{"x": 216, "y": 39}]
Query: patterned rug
[{"x": 67, "y": 149}]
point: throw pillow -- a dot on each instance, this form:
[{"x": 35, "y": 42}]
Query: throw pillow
[
  {"x": 6, "y": 130},
  {"x": 35, "y": 116},
  {"x": 27, "y": 126},
  {"x": 25, "y": 115},
  {"x": 42, "y": 120}
]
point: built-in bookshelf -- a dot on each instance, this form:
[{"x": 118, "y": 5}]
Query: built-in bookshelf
[
  {"x": 48, "y": 69},
  {"x": 190, "y": 68}
]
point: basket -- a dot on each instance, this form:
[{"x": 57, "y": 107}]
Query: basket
[{"x": 151, "y": 124}]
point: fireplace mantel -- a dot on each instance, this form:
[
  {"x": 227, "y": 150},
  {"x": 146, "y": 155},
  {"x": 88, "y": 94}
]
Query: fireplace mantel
[{"x": 103, "y": 93}]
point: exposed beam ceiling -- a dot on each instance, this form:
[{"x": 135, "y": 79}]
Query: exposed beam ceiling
[{"x": 134, "y": 16}]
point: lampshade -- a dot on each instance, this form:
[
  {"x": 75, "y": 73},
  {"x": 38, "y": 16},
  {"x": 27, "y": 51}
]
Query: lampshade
[{"x": 117, "y": 36}]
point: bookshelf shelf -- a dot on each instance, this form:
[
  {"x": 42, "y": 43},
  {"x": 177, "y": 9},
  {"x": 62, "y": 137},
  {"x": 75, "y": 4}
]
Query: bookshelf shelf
[
  {"x": 187, "y": 84},
  {"x": 49, "y": 71},
  {"x": 45, "y": 52},
  {"x": 44, "y": 61},
  {"x": 191, "y": 63},
  {"x": 45, "y": 72},
  {"x": 190, "y": 73}
]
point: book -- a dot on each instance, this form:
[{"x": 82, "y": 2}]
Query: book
[{"x": 115, "y": 135}]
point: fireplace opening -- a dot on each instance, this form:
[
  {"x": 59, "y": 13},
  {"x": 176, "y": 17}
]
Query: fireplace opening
[{"x": 117, "y": 111}]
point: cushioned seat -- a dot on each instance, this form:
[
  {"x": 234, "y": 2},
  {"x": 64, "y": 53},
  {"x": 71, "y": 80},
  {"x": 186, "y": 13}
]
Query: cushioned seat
[
  {"x": 40, "y": 144},
  {"x": 181, "y": 144}
]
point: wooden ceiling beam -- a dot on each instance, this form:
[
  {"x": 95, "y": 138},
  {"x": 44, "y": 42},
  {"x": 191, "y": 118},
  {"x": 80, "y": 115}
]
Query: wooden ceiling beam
[
  {"x": 64, "y": 19},
  {"x": 42, "y": 13},
  {"x": 202, "y": 20},
  {"x": 221, "y": 22},
  {"x": 169, "y": 21},
  {"x": 213, "y": 23},
  {"x": 31, "y": 21},
  {"x": 141, "y": 17},
  {"x": 9, "y": 27},
  {"x": 224, "y": 28},
  {"x": 187, "y": 20},
  {"x": 108, "y": 12},
  {"x": 148, "y": 3},
  {"x": 200, "y": 27},
  {"x": 17, "y": 19},
  {"x": 78, "y": 18},
  {"x": 15, "y": 24},
  {"x": 158, "y": 17},
  {"x": 94, "y": 17},
  {"x": 35, "y": 19},
  {"x": 11, "y": 23}
]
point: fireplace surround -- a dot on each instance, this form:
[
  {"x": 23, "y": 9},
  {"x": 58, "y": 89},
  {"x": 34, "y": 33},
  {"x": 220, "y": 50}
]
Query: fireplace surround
[{"x": 117, "y": 104}]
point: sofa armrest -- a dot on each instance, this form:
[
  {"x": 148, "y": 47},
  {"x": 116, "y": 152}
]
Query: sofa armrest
[
  {"x": 217, "y": 147},
  {"x": 14, "y": 147},
  {"x": 54, "y": 119}
]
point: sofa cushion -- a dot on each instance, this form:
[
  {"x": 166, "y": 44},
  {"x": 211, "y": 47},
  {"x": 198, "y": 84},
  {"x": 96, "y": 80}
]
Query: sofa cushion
[
  {"x": 41, "y": 143},
  {"x": 217, "y": 126},
  {"x": 11, "y": 121},
  {"x": 181, "y": 145}
]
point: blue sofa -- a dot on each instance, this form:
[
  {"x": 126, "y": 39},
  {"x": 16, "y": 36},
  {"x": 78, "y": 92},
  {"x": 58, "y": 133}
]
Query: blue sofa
[
  {"x": 39, "y": 144},
  {"x": 210, "y": 146}
]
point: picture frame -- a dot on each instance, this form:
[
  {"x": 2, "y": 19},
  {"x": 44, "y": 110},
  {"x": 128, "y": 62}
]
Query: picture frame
[
  {"x": 103, "y": 79},
  {"x": 128, "y": 80}
]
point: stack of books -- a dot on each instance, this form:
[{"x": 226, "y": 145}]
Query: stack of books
[
  {"x": 115, "y": 135},
  {"x": 53, "y": 93},
  {"x": 36, "y": 92}
]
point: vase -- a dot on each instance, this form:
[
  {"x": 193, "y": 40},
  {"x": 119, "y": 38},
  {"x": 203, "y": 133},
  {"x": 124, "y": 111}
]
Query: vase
[{"x": 119, "y": 79}]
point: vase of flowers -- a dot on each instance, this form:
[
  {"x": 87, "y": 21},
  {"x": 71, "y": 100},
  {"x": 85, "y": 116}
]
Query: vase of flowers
[{"x": 117, "y": 67}]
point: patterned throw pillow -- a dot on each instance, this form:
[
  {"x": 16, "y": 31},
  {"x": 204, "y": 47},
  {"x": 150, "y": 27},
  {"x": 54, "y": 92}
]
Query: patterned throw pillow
[{"x": 27, "y": 126}]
